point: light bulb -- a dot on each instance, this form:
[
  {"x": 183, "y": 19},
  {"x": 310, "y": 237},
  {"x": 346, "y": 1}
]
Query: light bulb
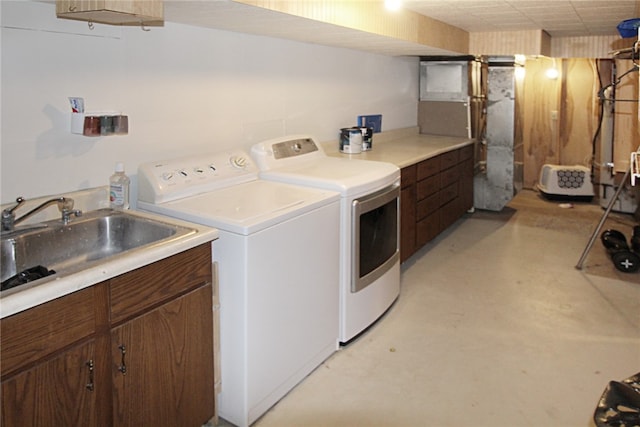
[
  {"x": 552, "y": 73},
  {"x": 393, "y": 4}
]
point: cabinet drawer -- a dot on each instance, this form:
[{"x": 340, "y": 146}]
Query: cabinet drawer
[
  {"x": 428, "y": 167},
  {"x": 428, "y": 205},
  {"x": 146, "y": 287},
  {"x": 33, "y": 334},
  {"x": 466, "y": 169},
  {"x": 449, "y": 176},
  {"x": 466, "y": 152},
  {"x": 408, "y": 176},
  {"x": 450, "y": 213},
  {"x": 449, "y": 159},
  {"x": 428, "y": 228},
  {"x": 448, "y": 193},
  {"x": 427, "y": 187}
]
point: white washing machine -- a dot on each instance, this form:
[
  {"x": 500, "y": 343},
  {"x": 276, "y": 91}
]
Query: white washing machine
[
  {"x": 277, "y": 259},
  {"x": 369, "y": 221}
]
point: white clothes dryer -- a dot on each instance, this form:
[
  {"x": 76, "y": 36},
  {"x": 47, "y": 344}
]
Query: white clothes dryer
[{"x": 369, "y": 221}]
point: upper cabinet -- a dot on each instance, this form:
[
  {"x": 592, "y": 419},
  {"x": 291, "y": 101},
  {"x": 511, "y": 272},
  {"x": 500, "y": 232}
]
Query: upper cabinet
[{"x": 113, "y": 12}]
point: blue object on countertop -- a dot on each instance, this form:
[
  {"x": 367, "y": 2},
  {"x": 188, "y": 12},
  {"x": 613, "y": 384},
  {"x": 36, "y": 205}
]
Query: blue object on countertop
[
  {"x": 373, "y": 121},
  {"x": 629, "y": 28}
]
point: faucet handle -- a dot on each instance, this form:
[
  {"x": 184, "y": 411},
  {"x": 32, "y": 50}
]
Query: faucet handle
[
  {"x": 19, "y": 201},
  {"x": 8, "y": 217},
  {"x": 67, "y": 213}
]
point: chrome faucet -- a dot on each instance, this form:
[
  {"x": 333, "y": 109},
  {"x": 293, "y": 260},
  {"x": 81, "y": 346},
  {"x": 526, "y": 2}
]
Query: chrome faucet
[
  {"x": 67, "y": 210},
  {"x": 65, "y": 206}
]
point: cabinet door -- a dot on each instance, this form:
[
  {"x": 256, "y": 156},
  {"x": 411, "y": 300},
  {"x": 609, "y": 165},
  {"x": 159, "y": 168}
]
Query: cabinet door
[
  {"x": 58, "y": 392},
  {"x": 167, "y": 358},
  {"x": 117, "y": 12}
]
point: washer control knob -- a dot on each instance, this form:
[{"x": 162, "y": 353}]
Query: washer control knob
[
  {"x": 198, "y": 170},
  {"x": 238, "y": 162},
  {"x": 183, "y": 173},
  {"x": 167, "y": 176}
]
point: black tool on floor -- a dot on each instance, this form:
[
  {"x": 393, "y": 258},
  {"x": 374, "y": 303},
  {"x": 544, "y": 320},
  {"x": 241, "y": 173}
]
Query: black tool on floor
[
  {"x": 624, "y": 259},
  {"x": 594, "y": 235},
  {"x": 620, "y": 404}
]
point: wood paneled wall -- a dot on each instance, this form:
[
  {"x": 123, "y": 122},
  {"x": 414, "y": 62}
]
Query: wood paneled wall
[
  {"x": 579, "y": 110},
  {"x": 583, "y": 47},
  {"x": 529, "y": 42},
  {"x": 540, "y": 119},
  {"x": 561, "y": 116},
  {"x": 626, "y": 117},
  {"x": 537, "y": 42}
]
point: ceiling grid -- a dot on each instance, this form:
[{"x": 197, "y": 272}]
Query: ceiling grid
[{"x": 559, "y": 18}]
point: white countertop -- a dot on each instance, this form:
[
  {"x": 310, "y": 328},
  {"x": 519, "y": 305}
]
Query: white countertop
[
  {"x": 402, "y": 147},
  {"x": 51, "y": 287}
]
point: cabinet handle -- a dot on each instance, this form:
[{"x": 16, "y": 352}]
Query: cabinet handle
[
  {"x": 123, "y": 366},
  {"x": 90, "y": 383},
  {"x": 72, "y": 8}
]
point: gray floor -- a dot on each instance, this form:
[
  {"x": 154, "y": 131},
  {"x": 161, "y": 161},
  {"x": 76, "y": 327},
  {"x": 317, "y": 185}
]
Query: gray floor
[{"x": 494, "y": 327}]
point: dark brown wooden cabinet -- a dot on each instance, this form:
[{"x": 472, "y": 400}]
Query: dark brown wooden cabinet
[
  {"x": 435, "y": 193},
  {"x": 134, "y": 350},
  {"x": 407, "y": 211}
]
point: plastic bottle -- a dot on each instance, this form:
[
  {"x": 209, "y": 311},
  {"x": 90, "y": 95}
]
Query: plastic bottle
[{"x": 119, "y": 188}]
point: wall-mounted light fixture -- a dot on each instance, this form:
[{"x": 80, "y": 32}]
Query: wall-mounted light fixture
[
  {"x": 552, "y": 73},
  {"x": 393, "y": 4},
  {"x": 519, "y": 63}
]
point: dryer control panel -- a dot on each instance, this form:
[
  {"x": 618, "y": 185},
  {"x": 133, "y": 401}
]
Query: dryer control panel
[
  {"x": 169, "y": 180},
  {"x": 285, "y": 151}
]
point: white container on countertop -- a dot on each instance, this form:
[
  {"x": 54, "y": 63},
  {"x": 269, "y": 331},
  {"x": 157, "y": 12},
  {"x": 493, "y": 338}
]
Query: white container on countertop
[
  {"x": 351, "y": 140},
  {"x": 119, "y": 188}
]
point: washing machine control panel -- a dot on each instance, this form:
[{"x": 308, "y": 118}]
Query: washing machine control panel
[{"x": 169, "y": 180}]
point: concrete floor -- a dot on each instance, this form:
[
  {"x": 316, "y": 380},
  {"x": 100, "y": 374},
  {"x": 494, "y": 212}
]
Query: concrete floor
[{"x": 494, "y": 327}]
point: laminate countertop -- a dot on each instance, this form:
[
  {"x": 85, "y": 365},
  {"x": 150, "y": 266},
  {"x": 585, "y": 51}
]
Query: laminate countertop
[{"x": 403, "y": 147}]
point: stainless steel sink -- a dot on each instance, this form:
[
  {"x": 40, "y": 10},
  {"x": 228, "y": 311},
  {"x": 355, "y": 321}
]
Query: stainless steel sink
[{"x": 96, "y": 236}]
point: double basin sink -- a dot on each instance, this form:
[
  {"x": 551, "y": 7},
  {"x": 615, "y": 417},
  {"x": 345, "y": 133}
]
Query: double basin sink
[{"x": 52, "y": 247}]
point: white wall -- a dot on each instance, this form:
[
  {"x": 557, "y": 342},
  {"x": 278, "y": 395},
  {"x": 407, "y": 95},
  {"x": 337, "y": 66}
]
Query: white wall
[{"x": 185, "y": 89}]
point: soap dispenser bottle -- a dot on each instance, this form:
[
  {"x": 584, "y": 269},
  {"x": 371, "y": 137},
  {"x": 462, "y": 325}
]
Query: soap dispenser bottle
[{"x": 119, "y": 188}]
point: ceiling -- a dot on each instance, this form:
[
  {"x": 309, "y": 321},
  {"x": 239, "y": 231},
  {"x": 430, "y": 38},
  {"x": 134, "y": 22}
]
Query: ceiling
[{"x": 559, "y": 18}]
